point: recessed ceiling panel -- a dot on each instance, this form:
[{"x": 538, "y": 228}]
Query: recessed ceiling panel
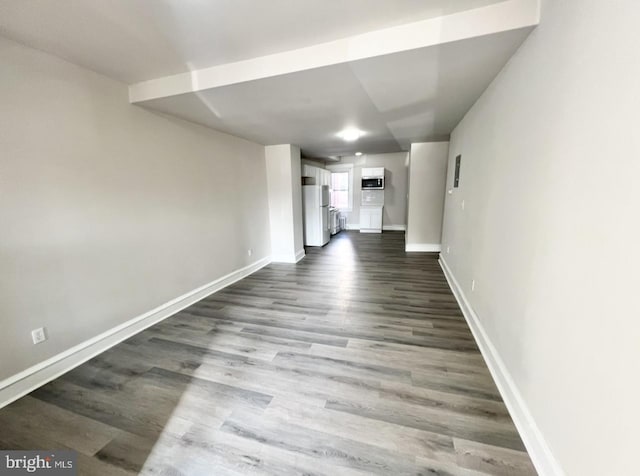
[
  {"x": 423, "y": 94},
  {"x": 308, "y": 109},
  {"x": 413, "y": 96}
]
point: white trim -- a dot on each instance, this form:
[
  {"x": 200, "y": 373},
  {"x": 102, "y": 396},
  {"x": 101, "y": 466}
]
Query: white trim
[
  {"x": 288, "y": 258},
  {"x": 370, "y": 230},
  {"x": 385, "y": 227},
  {"x": 28, "y": 380},
  {"x": 342, "y": 168},
  {"x": 422, "y": 247},
  {"x": 539, "y": 451}
]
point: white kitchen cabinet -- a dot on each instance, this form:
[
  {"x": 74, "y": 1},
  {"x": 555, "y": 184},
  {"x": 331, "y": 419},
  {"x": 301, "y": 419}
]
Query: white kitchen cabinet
[
  {"x": 370, "y": 219},
  {"x": 373, "y": 172},
  {"x": 312, "y": 172},
  {"x": 320, "y": 176},
  {"x": 307, "y": 171},
  {"x": 326, "y": 177}
]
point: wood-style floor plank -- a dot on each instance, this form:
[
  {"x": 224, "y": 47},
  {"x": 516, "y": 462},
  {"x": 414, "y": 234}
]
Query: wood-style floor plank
[{"x": 355, "y": 361}]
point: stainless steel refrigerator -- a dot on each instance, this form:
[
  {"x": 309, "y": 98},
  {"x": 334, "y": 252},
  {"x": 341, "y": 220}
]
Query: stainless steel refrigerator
[{"x": 315, "y": 202}]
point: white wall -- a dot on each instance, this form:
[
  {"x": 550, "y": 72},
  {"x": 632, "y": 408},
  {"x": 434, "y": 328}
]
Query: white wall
[
  {"x": 395, "y": 186},
  {"x": 285, "y": 202},
  {"x": 425, "y": 206},
  {"x": 550, "y": 231},
  {"x": 108, "y": 210}
]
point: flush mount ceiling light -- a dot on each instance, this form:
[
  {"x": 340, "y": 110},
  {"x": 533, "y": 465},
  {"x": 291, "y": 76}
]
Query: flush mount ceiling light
[
  {"x": 358, "y": 154},
  {"x": 350, "y": 135}
]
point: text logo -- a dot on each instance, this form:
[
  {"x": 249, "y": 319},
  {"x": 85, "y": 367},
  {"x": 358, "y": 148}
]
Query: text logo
[{"x": 38, "y": 462}]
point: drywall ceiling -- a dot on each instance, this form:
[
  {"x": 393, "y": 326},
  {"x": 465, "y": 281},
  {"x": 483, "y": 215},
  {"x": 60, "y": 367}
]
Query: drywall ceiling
[
  {"x": 414, "y": 96},
  {"x": 290, "y": 71},
  {"x": 135, "y": 40}
]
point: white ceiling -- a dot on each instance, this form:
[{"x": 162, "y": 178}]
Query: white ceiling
[
  {"x": 135, "y": 40},
  {"x": 290, "y": 71},
  {"x": 414, "y": 96}
]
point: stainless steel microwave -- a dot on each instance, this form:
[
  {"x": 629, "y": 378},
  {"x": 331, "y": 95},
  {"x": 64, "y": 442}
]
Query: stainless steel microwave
[{"x": 372, "y": 183}]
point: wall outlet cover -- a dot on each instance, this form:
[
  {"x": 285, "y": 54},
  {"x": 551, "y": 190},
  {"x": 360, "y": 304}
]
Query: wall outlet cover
[{"x": 38, "y": 335}]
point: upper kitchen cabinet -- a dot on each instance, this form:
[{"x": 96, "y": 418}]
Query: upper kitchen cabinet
[
  {"x": 326, "y": 177},
  {"x": 319, "y": 175}
]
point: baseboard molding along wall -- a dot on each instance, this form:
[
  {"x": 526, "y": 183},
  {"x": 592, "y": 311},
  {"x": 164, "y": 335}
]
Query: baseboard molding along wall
[
  {"x": 539, "y": 451},
  {"x": 293, "y": 258},
  {"x": 384, "y": 227},
  {"x": 423, "y": 247},
  {"x": 28, "y": 380}
]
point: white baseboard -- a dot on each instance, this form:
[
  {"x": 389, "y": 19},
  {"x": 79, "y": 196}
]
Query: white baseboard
[
  {"x": 394, "y": 227},
  {"x": 539, "y": 451},
  {"x": 28, "y": 380},
  {"x": 422, "y": 247},
  {"x": 370, "y": 230},
  {"x": 288, "y": 258},
  {"x": 384, "y": 228}
]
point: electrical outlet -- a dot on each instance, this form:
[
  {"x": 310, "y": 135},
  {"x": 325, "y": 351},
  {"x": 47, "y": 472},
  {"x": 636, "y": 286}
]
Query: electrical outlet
[
  {"x": 448, "y": 249},
  {"x": 250, "y": 251},
  {"x": 473, "y": 285},
  {"x": 38, "y": 335},
  {"x": 463, "y": 204}
]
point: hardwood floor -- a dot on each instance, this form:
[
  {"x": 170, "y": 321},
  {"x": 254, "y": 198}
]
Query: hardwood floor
[{"x": 356, "y": 361}]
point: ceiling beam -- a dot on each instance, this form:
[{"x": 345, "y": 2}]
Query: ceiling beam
[{"x": 495, "y": 18}]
